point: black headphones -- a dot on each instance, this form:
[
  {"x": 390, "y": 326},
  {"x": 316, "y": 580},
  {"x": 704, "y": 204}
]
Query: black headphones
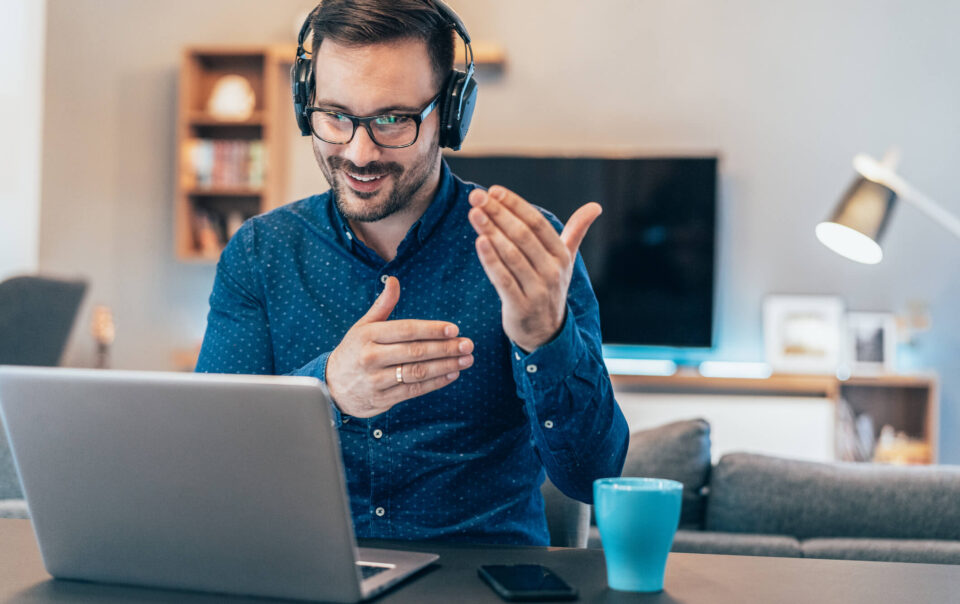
[{"x": 457, "y": 100}]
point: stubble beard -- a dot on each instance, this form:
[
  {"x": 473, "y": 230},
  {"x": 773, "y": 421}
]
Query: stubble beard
[{"x": 407, "y": 182}]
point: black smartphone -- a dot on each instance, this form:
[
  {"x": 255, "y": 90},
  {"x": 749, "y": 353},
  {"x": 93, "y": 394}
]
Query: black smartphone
[{"x": 526, "y": 582}]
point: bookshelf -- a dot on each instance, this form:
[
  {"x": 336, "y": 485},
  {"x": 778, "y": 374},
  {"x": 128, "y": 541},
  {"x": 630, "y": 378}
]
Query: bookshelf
[{"x": 223, "y": 165}]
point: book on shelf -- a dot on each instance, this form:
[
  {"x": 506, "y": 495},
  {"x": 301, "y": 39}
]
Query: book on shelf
[{"x": 223, "y": 164}]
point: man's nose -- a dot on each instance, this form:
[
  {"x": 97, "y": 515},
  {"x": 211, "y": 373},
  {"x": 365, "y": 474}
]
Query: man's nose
[{"x": 362, "y": 150}]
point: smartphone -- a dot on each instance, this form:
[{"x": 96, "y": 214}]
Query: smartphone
[{"x": 526, "y": 582}]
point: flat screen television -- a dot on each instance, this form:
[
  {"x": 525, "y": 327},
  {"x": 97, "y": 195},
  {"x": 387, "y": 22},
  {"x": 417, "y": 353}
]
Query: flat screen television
[{"x": 650, "y": 255}]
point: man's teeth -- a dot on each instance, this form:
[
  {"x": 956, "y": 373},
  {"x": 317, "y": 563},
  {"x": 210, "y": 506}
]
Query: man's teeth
[{"x": 364, "y": 178}]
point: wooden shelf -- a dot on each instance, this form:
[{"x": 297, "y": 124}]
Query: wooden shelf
[
  {"x": 485, "y": 54},
  {"x": 223, "y": 192},
  {"x": 202, "y": 118},
  {"x": 692, "y": 381},
  {"x": 204, "y": 216}
]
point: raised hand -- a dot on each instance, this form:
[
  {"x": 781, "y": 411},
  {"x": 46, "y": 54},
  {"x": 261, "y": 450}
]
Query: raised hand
[
  {"x": 529, "y": 264},
  {"x": 362, "y": 373}
]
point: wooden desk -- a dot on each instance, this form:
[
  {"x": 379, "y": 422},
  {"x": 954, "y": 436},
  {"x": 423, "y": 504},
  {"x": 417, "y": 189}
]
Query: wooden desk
[{"x": 691, "y": 578}]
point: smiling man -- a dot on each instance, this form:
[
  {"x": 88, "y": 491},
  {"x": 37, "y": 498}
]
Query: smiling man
[{"x": 453, "y": 398}]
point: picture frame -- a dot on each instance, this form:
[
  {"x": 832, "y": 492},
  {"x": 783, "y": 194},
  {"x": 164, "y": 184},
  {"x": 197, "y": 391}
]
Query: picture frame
[
  {"x": 870, "y": 345},
  {"x": 803, "y": 334}
]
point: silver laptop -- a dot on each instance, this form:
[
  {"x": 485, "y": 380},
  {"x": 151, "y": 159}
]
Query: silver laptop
[{"x": 217, "y": 483}]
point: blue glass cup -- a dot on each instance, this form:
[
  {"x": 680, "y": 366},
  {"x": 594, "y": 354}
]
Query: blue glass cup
[{"x": 637, "y": 518}]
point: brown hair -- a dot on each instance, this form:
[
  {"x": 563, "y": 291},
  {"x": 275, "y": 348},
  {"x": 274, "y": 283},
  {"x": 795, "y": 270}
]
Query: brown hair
[{"x": 360, "y": 22}]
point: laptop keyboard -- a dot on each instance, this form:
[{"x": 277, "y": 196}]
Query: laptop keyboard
[{"x": 367, "y": 570}]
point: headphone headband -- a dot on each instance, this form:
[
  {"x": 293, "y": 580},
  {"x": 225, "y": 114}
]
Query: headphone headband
[{"x": 457, "y": 99}]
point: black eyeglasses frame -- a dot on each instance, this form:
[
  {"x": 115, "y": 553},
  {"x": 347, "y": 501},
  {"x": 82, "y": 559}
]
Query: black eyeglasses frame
[{"x": 365, "y": 121}]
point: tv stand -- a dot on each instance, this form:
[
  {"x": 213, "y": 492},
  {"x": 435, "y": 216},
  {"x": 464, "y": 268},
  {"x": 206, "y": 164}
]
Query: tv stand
[{"x": 908, "y": 402}]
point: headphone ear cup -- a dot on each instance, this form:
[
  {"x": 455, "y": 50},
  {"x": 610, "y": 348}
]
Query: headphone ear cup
[
  {"x": 468, "y": 100},
  {"x": 301, "y": 77},
  {"x": 456, "y": 110},
  {"x": 447, "y": 100}
]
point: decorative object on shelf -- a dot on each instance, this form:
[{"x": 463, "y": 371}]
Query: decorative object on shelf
[
  {"x": 232, "y": 99},
  {"x": 802, "y": 334},
  {"x": 104, "y": 332},
  {"x": 897, "y": 448},
  {"x": 854, "y": 434},
  {"x": 233, "y": 223},
  {"x": 871, "y": 342},
  {"x": 208, "y": 242},
  {"x": 857, "y": 224}
]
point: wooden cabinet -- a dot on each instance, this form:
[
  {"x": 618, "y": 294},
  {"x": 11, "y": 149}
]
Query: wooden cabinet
[
  {"x": 908, "y": 403},
  {"x": 226, "y": 172}
]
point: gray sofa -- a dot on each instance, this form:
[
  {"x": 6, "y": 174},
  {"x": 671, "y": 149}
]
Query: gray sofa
[{"x": 766, "y": 506}]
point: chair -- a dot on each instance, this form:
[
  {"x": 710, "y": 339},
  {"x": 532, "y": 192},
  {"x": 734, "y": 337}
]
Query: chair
[
  {"x": 36, "y": 317},
  {"x": 568, "y": 520}
]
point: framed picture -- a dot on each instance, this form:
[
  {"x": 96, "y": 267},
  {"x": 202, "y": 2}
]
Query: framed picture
[
  {"x": 871, "y": 342},
  {"x": 803, "y": 334}
]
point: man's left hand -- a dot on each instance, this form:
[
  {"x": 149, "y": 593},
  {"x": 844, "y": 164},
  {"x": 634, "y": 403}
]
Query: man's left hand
[{"x": 529, "y": 264}]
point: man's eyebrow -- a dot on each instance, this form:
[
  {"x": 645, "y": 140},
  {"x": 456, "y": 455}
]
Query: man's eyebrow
[{"x": 380, "y": 111}]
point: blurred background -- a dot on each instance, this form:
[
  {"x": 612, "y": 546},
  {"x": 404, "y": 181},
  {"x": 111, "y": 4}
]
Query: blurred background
[{"x": 783, "y": 94}]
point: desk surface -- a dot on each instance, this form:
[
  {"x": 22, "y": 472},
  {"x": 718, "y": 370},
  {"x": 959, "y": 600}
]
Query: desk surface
[{"x": 691, "y": 578}]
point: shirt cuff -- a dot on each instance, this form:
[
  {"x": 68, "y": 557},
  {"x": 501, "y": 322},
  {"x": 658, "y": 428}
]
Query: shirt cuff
[
  {"x": 318, "y": 368},
  {"x": 547, "y": 366}
]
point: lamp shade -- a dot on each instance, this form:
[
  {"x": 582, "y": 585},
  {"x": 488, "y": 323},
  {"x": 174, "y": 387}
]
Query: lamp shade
[{"x": 859, "y": 220}]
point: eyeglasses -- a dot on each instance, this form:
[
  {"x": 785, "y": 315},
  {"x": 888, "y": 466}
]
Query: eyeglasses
[{"x": 391, "y": 130}]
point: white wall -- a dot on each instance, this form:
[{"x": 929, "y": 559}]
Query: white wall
[
  {"x": 22, "y": 32},
  {"x": 786, "y": 91}
]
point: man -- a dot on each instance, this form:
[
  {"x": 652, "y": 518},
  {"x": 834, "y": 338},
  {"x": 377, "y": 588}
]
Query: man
[{"x": 452, "y": 397}]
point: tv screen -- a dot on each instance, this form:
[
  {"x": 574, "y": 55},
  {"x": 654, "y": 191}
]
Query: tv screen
[{"x": 650, "y": 255}]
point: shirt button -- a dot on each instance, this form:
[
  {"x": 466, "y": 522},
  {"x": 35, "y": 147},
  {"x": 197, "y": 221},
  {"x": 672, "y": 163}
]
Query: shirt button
[
  {"x": 380, "y": 511},
  {"x": 516, "y": 355},
  {"x": 349, "y": 236},
  {"x": 548, "y": 424},
  {"x": 383, "y": 278},
  {"x": 531, "y": 368},
  {"x": 377, "y": 433}
]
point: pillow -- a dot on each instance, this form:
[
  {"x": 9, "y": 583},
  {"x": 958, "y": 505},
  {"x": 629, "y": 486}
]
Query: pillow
[{"x": 678, "y": 451}]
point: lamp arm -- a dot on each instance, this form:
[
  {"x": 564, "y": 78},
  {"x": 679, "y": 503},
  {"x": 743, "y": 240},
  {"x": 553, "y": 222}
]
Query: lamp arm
[{"x": 927, "y": 206}]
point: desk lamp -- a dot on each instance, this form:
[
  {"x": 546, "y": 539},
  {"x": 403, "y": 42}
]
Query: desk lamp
[{"x": 860, "y": 218}]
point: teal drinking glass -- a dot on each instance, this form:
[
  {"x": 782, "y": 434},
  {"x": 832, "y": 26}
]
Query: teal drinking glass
[{"x": 637, "y": 518}]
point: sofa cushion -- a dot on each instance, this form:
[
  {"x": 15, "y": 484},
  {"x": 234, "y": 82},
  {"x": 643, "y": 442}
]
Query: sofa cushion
[
  {"x": 679, "y": 451},
  {"x": 707, "y": 542},
  {"x": 930, "y": 551},
  {"x": 759, "y": 494}
]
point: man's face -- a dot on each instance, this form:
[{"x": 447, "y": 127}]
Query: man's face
[{"x": 393, "y": 77}]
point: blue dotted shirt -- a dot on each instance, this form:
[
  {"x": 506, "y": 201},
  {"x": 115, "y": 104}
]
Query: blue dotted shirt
[{"x": 461, "y": 463}]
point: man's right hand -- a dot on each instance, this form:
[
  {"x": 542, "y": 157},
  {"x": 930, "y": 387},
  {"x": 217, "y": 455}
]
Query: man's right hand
[{"x": 362, "y": 370}]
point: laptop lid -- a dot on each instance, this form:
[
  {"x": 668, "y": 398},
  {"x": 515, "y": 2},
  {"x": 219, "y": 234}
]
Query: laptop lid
[{"x": 219, "y": 483}]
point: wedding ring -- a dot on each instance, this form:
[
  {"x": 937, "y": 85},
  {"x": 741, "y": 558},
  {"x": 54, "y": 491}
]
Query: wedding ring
[{"x": 399, "y": 374}]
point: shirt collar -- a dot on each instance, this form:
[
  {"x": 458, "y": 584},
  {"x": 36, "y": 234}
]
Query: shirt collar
[{"x": 442, "y": 200}]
